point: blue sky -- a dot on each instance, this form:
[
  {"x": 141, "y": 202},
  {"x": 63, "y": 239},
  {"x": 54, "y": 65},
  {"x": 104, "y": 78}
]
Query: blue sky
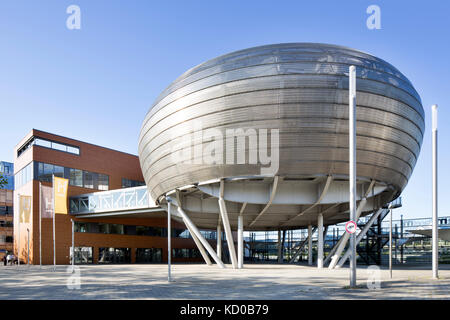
[{"x": 97, "y": 83}]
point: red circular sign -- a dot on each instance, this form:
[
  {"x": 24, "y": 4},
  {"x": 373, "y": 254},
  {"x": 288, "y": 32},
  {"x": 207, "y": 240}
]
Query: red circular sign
[{"x": 350, "y": 227}]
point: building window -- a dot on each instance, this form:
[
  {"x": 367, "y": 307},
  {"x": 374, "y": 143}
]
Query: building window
[
  {"x": 88, "y": 180},
  {"x": 185, "y": 253},
  {"x": 114, "y": 255},
  {"x": 83, "y": 255},
  {"x": 103, "y": 182},
  {"x": 127, "y": 183},
  {"x": 148, "y": 255},
  {"x": 76, "y": 177},
  {"x": 48, "y": 144},
  {"x": 24, "y": 176}
]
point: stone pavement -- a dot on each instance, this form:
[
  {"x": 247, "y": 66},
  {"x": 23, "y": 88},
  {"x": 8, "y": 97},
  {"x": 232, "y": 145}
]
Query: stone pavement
[{"x": 199, "y": 281}]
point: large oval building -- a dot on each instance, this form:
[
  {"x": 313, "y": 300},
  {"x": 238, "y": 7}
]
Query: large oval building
[{"x": 266, "y": 130}]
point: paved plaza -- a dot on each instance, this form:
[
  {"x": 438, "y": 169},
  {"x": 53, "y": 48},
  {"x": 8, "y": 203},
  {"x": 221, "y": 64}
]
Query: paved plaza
[{"x": 199, "y": 281}]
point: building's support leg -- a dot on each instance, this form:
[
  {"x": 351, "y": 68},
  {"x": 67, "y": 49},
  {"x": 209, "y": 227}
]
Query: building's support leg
[
  {"x": 199, "y": 236},
  {"x": 282, "y": 246},
  {"x": 333, "y": 250},
  {"x": 199, "y": 245},
  {"x": 226, "y": 225},
  {"x": 240, "y": 241},
  {"x": 360, "y": 236},
  {"x": 320, "y": 241},
  {"x": 279, "y": 246},
  {"x": 301, "y": 246},
  {"x": 219, "y": 240},
  {"x": 345, "y": 237},
  {"x": 310, "y": 258}
]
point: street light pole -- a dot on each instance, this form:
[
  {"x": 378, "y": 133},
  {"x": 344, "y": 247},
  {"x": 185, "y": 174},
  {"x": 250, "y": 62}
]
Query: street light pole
[
  {"x": 435, "y": 244},
  {"x": 352, "y": 169}
]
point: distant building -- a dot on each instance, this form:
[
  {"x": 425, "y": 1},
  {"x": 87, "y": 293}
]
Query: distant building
[
  {"x": 7, "y": 170},
  {"x": 6, "y": 209}
]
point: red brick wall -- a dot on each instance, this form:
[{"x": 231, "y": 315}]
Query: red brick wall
[{"x": 92, "y": 158}]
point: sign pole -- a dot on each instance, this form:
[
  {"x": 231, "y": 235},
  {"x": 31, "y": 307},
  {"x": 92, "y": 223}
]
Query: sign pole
[
  {"x": 169, "y": 235},
  {"x": 435, "y": 243},
  {"x": 28, "y": 247},
  {"x": 390, "y": 245},
  {"x": 54, "y": 232},
  {"x": 18, "y": 240},
  {"x": 73, "y": 246},
  {"x": 40, "y": 225},
  {"x": 352, "y": 167}
]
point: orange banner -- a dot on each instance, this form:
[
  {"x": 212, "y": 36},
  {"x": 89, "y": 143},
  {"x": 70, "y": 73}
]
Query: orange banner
[
  {"x": 60, "y": 187},
  {"x": 24, "y": 208}
]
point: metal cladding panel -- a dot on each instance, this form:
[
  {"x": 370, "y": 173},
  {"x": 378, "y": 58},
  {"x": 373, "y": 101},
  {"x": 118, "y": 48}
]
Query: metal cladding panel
[{"x": 300, "y": 89}]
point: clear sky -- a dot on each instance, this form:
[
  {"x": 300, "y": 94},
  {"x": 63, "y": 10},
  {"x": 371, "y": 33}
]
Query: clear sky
[{"x": 97, "y": 83}]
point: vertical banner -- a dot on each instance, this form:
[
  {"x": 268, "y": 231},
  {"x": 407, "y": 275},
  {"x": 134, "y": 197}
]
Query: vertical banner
[
  {"x": 60, "y": 195},
  {"x": 46, "y": 202},
  {"x": 24, "y": 209}
]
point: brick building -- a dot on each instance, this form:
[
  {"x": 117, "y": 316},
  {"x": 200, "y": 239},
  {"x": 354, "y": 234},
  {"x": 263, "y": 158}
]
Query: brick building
[{"x": 137, "y": 238}]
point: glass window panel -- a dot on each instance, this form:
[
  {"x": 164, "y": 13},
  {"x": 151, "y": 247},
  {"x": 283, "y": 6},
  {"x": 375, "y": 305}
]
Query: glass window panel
[
  {"x": 103, "y": 228},
  {"x": 58, "y": 171},
  {"x": 43, "y": 143},
  {"x": 59, "y": 146},
  {"x": 103, "y": 182},
  {"x": 88, "y": 180},
  {"x": 73, "y": 150},
  {"x": 47, "y": 172},
  {"x": 76, "y": 177}
]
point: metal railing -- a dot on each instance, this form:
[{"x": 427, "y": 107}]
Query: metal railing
[{"x": 113, "y": 200}]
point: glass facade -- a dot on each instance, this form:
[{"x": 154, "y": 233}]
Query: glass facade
[
  {"x": 127, "y": 183},
  {"x": 24, "y": 176},
  {"x": 114, "y": 255},
  {"x": 35, "y": 141},
  {"x": 148, "y": 255},
  {"x": 133, "y": 230},
  {"x": 7, "y": 170},
  {"x": 77, "y": 177},
  {"x": 185, "y": 253},
  {"x": 83, "y": 255}
]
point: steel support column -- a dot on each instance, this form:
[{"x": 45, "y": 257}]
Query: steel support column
[
  {"x": 226, "y": 226},
  {"x": 363, "y": 232},
  {"x": 310, "y": 260},
  {"x": 197, "y": 233},
  {"x": 199, "y": 245},
  {"x": 240, "y": 241},
  {"x": 320, "y": 241}
]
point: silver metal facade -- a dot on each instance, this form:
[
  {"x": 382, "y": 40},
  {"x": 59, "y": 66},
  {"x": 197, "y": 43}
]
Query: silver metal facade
[{"x": 302, "y": 90}]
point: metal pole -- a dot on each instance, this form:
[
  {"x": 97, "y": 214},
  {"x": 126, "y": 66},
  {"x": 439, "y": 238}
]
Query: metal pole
[
  {"x": 435, "y": 244},
  {"x": 18, "y": 240},
  {"x": 199, "y": 236},
  {"x": 169, "y": 238},
  {"x": 226, "y": 226},
  {"x": 240, "y": 241},
  {"x": 28, "y": 247},
  {"x": 219, "y": 240},
  {"x": 54, "y": 215},
  {"x": 352, "y": 167},
  {"x": 40, "y": 224},
  {"x": 310, "y": 262},
  {"x": 279, "y": 246},
  {"x": 320, "y": 241},
  {"x": 401, "y": 236},
  {"x": 73, "y": 246},
  {"x": 390, "y": 245}
]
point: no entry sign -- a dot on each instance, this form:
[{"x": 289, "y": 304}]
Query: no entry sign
[{"x": 350, "y": 227}]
